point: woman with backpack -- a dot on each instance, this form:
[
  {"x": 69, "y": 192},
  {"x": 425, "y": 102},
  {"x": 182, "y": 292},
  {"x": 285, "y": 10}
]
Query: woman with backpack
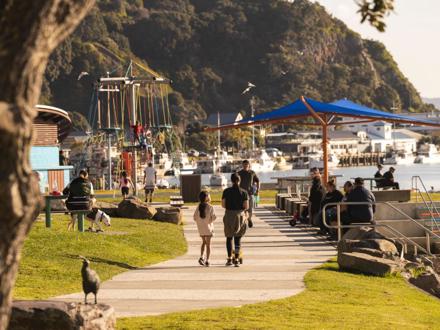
[{"x": 236, "y": 202}]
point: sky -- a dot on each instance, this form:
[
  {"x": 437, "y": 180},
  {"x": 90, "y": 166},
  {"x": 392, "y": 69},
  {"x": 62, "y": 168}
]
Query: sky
[{"x": 411, "y": 37}]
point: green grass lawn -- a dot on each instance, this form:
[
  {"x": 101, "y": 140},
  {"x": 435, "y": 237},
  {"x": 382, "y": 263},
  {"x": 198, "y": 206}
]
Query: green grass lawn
[
  {"x": 50, "y": 264},
  {"x": 163, "y": 196},
  {"x": 332, "y": 300}
]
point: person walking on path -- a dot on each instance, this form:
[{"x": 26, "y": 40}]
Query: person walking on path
[
  {"x": 204, "y": 217},
  {"x": 124, "y": 184},
  {"x": 236, "y": 201},
  {"x": 250, "y": 182},
  {"x": 150, "y": 180}
]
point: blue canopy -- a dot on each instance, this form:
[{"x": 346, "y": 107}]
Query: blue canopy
[{"x": 341, "y": 108}]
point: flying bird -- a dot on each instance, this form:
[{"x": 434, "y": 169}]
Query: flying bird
[
  {"x": 249, "y": 87},
  {"x": 82, "y": 74},
  {"x": 90, "y": 280}
]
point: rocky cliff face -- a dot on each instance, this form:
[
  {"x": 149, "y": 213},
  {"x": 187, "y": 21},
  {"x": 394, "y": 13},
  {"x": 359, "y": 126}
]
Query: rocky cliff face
[{"x": 211, "y": 49}]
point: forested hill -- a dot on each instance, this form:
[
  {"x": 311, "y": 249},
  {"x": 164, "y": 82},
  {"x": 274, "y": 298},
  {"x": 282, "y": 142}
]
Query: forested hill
[{"x": 211, "y": 49}]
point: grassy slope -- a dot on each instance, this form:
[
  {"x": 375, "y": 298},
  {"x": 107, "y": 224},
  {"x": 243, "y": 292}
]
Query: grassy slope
[
  {"x": 333, "y": 300},
  {"x": 50, "y": 266}
]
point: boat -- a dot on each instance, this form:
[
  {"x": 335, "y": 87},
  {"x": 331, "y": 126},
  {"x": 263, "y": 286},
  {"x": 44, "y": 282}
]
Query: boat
[
  {"x": 263, "y": 163},
  {"x": 399, "y": 158},
  {"x": 332, "y": 162},
  {"x": 206, "y": 166},
  {"x": 162, "y": 183},
  {"x": 428, "y": 154},
  {"x": 182, "y": 163},
  {"x": 218, "y": 180},
  {"x": 281, "y": 164}
]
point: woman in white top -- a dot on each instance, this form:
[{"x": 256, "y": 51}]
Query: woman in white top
[
  {"x": 125, "y": 183},
  {"x": 204, "y": 217}
]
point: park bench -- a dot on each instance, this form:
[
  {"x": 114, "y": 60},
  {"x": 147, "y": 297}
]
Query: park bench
[
  {"x": 176, "y": 201},
  {"x": 81, "y": 213}
]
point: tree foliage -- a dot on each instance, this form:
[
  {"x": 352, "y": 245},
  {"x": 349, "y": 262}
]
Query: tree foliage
[{"x": 211, "y": 49}]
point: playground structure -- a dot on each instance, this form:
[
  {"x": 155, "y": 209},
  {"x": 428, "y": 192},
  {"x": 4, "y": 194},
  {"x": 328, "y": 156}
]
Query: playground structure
[{"x": 132, "y": 122}]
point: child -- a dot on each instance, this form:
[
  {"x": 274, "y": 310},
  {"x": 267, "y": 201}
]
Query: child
[
  {"x": 204, "y": 217},
  {"x": 124, "y": 184}
]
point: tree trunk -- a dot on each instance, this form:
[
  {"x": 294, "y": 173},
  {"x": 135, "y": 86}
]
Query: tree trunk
[{"x": 30, "y": 30}]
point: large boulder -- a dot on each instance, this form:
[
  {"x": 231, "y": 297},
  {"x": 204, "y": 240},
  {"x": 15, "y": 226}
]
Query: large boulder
[
  {"x": 361, "y": 233},
  {"x": 55, "y": 315},
  {"x": 381, "y": 245},
  {"x": 168, "y": 214},
  {"x": 429, "y": 282},
  {"x": 134, "y": 208},
  {"x": 367, "y": 264}
]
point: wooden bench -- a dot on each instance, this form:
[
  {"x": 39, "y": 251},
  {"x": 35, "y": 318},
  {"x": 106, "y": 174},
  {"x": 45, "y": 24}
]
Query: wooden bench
[{"x": 176, "y": 201}]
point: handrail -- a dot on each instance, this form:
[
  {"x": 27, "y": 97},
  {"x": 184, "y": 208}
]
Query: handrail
[
  {"x": 339, "y": 226},
  {"x": 415, "y": 179}
]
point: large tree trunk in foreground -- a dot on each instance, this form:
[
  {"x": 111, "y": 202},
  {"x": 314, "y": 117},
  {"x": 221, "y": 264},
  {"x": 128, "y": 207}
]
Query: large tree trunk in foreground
[{"x": 29, "y": 31}]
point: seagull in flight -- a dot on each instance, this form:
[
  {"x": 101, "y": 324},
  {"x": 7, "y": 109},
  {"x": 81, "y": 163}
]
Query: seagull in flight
[
  {"x": 82, "y": 74},
  {"x": 249, "y": 87}
]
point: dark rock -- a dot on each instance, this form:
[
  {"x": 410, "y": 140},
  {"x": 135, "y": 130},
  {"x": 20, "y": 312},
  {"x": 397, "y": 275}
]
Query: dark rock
[
  {"x": 381, "y": 245},
  {"x": 367, "y": 264},
  {"x": 134, "y": 208},
  {"x": 427, "y": 282},
  {"x": 109, "y": 208},
  {"x": 168, "y": 214},
  {"x": 361, "y": 233},
  {"x": 56, "y": 315}
]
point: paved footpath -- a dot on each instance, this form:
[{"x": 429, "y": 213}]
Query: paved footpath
[{"x": 276, "y": 258}]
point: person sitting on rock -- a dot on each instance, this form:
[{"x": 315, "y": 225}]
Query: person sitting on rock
[
  {"x": 388, "y": 179},
  {"x": 378, "y": 176}
]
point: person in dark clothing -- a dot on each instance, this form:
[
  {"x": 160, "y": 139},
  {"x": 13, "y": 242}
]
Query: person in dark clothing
[
  {"x": 360, "y": 213},
  {"x": 379, "y": 177},
  {"x": 79, "y": 195},
  {"x": 388, "y": 180},
  {"x": 236, "y": 201},
  {"x": 316, "y": 196},
  {"x": 333, "y": 195},
  {"x": 249, "y": 180}
]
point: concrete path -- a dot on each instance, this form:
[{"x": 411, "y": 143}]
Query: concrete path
[{"x": 276, "y": 257}]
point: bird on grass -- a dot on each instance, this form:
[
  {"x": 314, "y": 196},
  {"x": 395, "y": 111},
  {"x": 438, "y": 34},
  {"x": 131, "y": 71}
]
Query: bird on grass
[{"x": 90, "y": 280}]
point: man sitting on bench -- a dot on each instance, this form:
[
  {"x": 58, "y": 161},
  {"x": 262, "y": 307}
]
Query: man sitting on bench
[{"x": 388, "y": 179}]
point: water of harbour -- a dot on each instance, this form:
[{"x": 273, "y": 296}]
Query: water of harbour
[{"x": 430, "y": 174}]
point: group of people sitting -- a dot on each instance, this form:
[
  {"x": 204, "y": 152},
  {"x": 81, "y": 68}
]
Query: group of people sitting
[
  {"x": 321, "y": 195},
  {"x": 385, "y": 180}
]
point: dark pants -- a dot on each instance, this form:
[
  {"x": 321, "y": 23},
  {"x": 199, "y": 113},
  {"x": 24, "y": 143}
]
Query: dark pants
[
  {"x": 237, "y": 244},
  {"x": 394, "y": 185},
  {"x": 329, "y": 217}
]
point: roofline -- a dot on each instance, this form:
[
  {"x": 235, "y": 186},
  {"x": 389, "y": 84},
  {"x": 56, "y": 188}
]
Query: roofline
[{"x": 53, "y": 110}]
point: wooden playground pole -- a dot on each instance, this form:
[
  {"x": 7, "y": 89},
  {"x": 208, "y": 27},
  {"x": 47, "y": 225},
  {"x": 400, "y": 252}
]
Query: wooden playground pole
[{"x": 134, "y": 164}]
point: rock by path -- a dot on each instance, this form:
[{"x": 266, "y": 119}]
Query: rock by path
[{"x": 276, "y": 258}]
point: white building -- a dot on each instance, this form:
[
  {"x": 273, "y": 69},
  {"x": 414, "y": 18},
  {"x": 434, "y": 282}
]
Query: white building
[{"x": 383, "y": 138}]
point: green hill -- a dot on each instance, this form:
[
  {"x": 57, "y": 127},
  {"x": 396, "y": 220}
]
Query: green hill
[{"x": 211, "y": 49}]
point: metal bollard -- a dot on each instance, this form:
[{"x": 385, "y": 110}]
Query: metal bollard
[
  {"x": 48, "y": 217},
  {"x": 81, "y": 222}
]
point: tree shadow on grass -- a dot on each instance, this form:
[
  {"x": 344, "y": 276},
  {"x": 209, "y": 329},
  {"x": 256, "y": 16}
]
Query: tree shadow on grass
[{"x": 103, "y": 261}]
